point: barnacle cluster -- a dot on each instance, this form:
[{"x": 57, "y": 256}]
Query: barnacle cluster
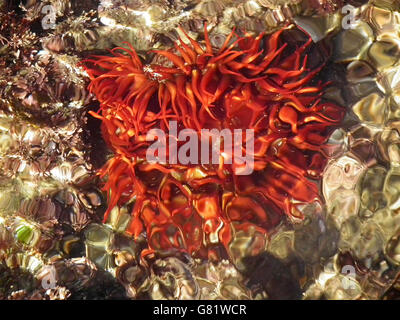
[{"x": 47, "y": 195}]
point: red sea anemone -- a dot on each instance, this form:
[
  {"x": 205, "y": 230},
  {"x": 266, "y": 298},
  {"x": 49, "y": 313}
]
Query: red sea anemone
[{"x": 262, "y": 83}]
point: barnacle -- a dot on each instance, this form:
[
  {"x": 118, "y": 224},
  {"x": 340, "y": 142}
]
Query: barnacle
[
  {"x": 73, "y": 33},
  {"x": 262, "y": 83}
]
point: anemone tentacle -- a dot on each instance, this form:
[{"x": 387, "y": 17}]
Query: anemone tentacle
[{"x": 250, "y": 82}]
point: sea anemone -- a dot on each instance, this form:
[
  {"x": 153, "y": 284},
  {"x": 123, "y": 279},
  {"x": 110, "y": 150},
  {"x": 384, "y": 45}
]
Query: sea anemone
[{"x": 261, "y": 83}]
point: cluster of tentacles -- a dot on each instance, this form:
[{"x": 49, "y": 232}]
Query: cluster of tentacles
[{"x": 262, "y": 83}]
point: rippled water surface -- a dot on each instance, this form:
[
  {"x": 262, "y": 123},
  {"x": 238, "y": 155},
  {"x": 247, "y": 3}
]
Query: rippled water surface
[{"x": 53, "y": 242}]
